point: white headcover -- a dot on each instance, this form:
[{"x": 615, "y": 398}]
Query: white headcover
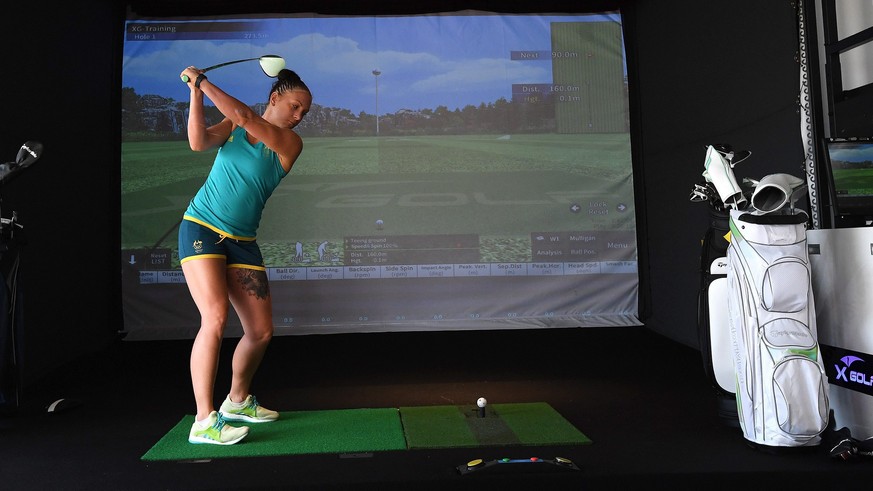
[
  {"x": 721, "y": 175},
  {"x": 775, "y": 191}
]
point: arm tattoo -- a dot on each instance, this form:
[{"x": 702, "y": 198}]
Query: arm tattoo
[{"x": 254, "y": 282}]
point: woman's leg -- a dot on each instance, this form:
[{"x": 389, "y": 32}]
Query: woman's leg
[
  {"x": 206, "y": 279},
  {"x": 249, "y": 294}
]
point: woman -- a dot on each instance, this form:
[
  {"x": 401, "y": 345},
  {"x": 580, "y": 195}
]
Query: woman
[{"x": 221, "y": 260}]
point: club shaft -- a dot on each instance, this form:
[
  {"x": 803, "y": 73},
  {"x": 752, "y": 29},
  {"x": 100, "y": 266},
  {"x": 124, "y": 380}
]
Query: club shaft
[
  {"x": 185, "y": 77},
  {"x": 228, "y": 63}
]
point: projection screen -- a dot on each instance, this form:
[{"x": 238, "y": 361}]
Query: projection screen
[{"x": 461, "y": 170}]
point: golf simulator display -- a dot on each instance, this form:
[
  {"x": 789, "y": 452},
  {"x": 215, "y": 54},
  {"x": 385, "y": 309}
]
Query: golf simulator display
[
  {"x": 427, "y": 194},
  {"x": 270, "y": 64},
  {"x": 850, "y": 180}
]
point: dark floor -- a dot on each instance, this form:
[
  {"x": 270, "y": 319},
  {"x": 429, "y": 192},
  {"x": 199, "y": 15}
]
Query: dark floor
[{"x": 643, "y": 399}]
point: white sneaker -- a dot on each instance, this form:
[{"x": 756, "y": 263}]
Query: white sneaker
[
  {"x": 216, "y": 432},
  {"x": 248, "y": 411}
]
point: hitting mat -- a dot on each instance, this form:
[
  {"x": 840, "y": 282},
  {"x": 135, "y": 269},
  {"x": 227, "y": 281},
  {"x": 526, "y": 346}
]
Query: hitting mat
[
  {"x": 294, "y": 433},
  {"x": 349, "y": 431},
  {"x": 535, "y": 423}
]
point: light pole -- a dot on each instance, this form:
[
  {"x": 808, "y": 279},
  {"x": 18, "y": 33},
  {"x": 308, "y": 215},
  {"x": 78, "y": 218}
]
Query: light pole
[{"x": 376, "y": 74}]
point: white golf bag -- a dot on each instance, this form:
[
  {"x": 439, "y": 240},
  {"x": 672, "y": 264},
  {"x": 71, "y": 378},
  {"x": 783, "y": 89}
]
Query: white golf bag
[
  {"x": 782, "y": 391},
  {"x": 781, "y": 387}
]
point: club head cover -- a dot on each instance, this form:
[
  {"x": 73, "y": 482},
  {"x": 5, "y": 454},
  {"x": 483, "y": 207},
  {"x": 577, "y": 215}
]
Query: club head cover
[
  {"x": 719, "y": 172},
  {"x": 776, "y": 191},
  {"x": 29, "y": 153},
  {"x": 845, "y": 449}
]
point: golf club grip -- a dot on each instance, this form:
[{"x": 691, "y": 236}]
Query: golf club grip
[{"x": 186, "y": 79}]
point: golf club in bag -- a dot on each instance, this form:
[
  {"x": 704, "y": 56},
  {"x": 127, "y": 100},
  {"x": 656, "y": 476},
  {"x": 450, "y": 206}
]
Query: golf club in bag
[
  {"x": 29, "y": 153},
  {"x": 712, "y": 315},
  {"x": 11, "y": 320}
]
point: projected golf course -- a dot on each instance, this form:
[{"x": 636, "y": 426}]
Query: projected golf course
[{"x": 482, "y": 182}]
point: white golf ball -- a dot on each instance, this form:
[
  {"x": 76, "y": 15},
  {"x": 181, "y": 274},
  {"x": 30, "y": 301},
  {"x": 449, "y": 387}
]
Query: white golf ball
[
  {"x": 481, "y": 402},
  {"x": 380, "y": 224}
]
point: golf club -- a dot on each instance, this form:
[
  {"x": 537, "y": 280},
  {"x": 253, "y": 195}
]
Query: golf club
[
  {"x": 29, "y": 153},
  {"x": 271, "y": 64}
]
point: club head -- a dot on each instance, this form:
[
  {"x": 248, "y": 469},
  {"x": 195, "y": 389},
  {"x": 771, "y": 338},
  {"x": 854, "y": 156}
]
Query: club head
[
  {"x": 272, "y": 64},
  {"x": 29, "y": 153}
]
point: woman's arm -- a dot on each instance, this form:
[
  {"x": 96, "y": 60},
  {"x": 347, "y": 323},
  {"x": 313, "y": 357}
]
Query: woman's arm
[
  {"x": 201, "y": 137},
  {"x": 284, "y": 141}
]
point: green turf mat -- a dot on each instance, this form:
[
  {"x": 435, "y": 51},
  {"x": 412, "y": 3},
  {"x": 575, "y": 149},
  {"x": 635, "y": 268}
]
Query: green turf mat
[
  {"x": 373, "y": 430},
  {"x": 534, "y": 423},
  {"x": 303, "y": 432}
]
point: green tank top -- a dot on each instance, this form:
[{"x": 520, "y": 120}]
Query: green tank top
[{"x": 232, "y": 199}]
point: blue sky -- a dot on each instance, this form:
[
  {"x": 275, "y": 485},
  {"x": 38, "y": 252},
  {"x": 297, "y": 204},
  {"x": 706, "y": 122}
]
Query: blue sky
[
  {"x": 852, "y": 152},
  {"x": 425, "y": 61}
]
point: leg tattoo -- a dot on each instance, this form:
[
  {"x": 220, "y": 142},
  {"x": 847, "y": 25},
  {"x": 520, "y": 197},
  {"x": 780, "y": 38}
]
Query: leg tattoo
[{"x": 254, "y": 282}]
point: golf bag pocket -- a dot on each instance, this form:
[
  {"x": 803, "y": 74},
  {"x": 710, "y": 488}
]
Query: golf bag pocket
[
  {"x": 800, "y": 397},
  {"x": 786, "y": 286}
]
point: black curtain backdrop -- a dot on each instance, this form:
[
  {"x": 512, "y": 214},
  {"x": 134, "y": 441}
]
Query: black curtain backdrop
[{"x": 721, "y": 71}]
